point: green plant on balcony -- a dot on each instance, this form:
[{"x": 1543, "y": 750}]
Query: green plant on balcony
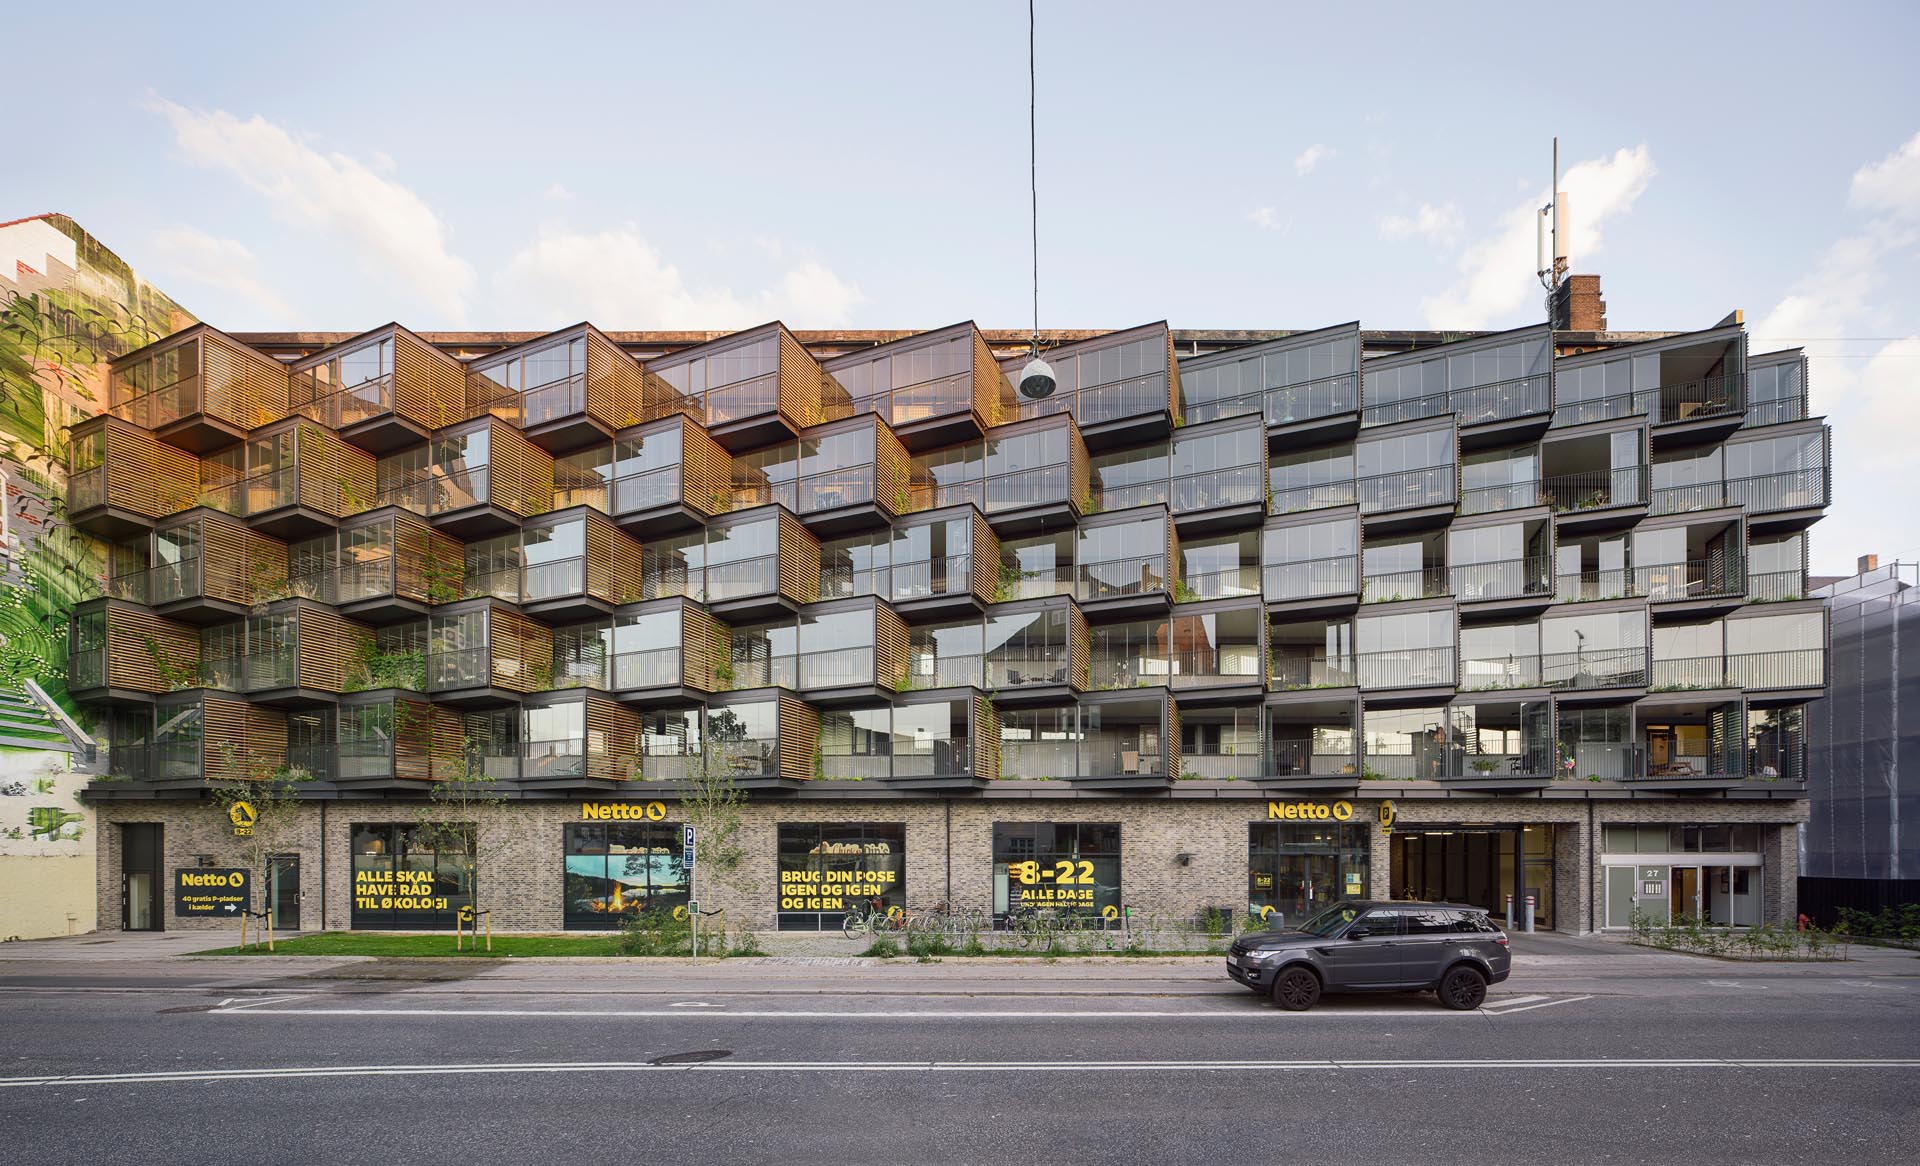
[
  {"x": 444, "y": 580},
  {"x": 370, "y": 668},
  {"x": 1484, "y": 765},
  {"x": 1184, "y": 594},
  {"x": 174, "y": 675},
  {"x": 1087, "y": 503},
  {"x": 1369, "y": 773},
  {"x": 723, "y": 676},
  {"x": 1007, "y": 586}
]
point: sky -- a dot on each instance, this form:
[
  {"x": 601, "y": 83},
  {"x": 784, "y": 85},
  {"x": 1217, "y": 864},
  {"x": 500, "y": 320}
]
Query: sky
[{"x": 483, "y": 165}]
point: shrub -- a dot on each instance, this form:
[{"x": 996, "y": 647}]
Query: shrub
[
  {"x": 882, "y": 948},
  {"x": 655, "y": 933}
]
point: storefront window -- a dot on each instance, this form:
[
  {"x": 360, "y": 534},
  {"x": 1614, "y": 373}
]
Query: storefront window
[
  {"x": 400, "y": 884},
  {"x": 826, "y": 869},
  {"x": 1295, "y": 869},
  {"x": 1065, "y": 866},
  {"x": 617, "y": 869}
]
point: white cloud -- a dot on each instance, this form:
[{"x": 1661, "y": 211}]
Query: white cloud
[
  {"x": 191, "y": 255},
  {"x": 1864, "y": 387},
  {"x": 619, "y": 280},
  {"x": 1441, "y": 224},
  {"x": 1497, "y": 272},
  {"x": 1264, "y": 217},
  {"x": 394, "y": 233},
  {"x": 557, "y": 193},
  {"x": 1309, "y": 159}
]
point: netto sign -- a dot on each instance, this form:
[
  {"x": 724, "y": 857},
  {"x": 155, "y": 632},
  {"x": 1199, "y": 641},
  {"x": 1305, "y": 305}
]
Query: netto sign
[
  {"x": 199, "y": 892},
  {"x": 1310, "y": 811},
  {"x": 623, "y": 812}
]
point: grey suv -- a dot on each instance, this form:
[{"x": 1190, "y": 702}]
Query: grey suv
[{"x": 1444, "y": 948}]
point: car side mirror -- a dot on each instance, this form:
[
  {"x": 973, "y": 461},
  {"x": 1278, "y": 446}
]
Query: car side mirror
[{"x": 1359, "y": 933}]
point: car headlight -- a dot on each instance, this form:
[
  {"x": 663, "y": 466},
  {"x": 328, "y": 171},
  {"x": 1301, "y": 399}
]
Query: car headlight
[{"x": 1263, "y": 954}]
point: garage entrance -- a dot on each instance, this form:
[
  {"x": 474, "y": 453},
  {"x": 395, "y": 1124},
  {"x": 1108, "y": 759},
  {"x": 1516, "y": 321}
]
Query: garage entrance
[{"x": 1478, "y": 865}]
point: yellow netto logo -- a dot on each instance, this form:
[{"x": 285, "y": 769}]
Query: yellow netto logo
[
  {"x": 623, "y": 812},
  {"x": 1310, "y": 811}
]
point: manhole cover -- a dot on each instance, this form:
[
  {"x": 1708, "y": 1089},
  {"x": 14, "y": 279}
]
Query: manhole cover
[{"x": 697, "y": 1056}]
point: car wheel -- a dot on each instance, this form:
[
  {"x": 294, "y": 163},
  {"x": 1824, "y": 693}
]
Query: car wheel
[
  {"x": 1463, "y": 988},
  {"x": 1296, "y": 989}
]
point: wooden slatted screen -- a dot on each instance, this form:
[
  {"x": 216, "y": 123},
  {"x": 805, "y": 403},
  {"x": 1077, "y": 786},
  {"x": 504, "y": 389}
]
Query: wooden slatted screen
[
  {"x": 986, "y": 738},
  {"x": 144, "y": 474},
  {"x": 244, "y": 388},
  {"x": 1081, "y": 656},
  {"x": 616, "y": 386},
  {"x": 613, "y": 562},
  {"x": 1173, "y": 379},
  {"x": 799, "y": 561},
  {"x": 985, "y": 558},
  {"x": 993, "y": 397},
  {"x": 799, "y": 729},
  {"x": 429, "y": 385},
  {"x": 139, "y": 643},
  {"x": 335, "y": 478},
  {"x": 613, "y": 739},
  {"x": 893, "y": 471},
  {"x": 703, "y": 648},
  {"x": 240, "y": 741},
  {"x": 521, "y": 473},
  {"x": 1172, "y": 738},
  {"x": 1080, "y": 470},
  {"x": 328, "y": 645},
  {"x": 522, "y": 650},
  {"x": 891, "y": 647},
  {"x": 799, "y": 383},
  {"x": 707, "y": 476},
  {"x": 237, "y": 563}
]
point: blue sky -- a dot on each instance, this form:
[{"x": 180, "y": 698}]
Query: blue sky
[{"x": 1257, "y": 165}]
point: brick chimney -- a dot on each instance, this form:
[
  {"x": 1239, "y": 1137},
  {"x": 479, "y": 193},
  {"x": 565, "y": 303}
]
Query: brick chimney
[
  {"x": 1869, "y": 563},
  {"x": 1577, "y": 306}
]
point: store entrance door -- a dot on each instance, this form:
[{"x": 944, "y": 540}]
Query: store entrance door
[
  {"x": 1478, "y": 866},
  {"x": 140, "y": 877},
  {"x": 283, "y": 890}
]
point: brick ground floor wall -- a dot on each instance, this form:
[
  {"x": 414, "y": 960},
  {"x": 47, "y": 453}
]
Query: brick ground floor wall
[{"x": 949, "y": 850}]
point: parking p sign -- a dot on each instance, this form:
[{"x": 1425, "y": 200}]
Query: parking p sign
[{"x": 686, "y": 852}]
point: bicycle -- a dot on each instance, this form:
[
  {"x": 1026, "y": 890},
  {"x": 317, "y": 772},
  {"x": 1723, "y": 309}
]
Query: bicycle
[{"x": 872, "y": 919}]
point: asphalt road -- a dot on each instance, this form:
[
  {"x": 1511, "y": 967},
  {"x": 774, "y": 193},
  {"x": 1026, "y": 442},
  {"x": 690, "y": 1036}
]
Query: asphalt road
[{"x": 1633, "y": 1060}]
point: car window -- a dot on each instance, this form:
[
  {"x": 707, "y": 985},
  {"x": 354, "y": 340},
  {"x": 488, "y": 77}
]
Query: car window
[
  {"x": 1473, "y": 921},
  {"x": 1427, "y": 922},
  {"x": 1329, "y": 921},
  {"x": 1380, "y": 922}
]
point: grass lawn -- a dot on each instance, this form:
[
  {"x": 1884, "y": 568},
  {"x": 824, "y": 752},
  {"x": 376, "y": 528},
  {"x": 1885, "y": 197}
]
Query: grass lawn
[{"x": 365, "y": 943}]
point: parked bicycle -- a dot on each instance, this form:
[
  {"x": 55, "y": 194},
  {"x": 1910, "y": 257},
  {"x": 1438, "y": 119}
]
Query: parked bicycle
[{"x": 873, "y": 917}]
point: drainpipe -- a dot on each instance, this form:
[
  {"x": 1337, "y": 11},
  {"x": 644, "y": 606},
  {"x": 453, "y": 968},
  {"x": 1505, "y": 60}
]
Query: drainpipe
[
  {"x": 1592, "y": 864},
  {"x": 948, "y": 804},
  {"x": 323, "y": 865}
]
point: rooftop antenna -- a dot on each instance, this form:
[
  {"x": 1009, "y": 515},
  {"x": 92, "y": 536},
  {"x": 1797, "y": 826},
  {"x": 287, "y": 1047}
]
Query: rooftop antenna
[
  {"x": 1036, "y": 380},
  {"x": 1553, "y": 234}
]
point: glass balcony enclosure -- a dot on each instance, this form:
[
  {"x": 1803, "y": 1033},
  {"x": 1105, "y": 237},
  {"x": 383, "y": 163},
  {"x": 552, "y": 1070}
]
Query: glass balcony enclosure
[
  {"x": 1594, "y": 471},
  {"x": 1311, "y": 479},
  {"x": 1110, "y": 378},
  {"x": 1782, "y": 472},
  {"x": 1035, "y": 566},
  {"x": 1776, "y": 388},
  {"x": 1311, "y": 654},
  {"x": 746, "y": 737},
  {"x": 348, "y": 386},
  {"x": 1499, "y": 480},
  {"x": 535, "y": 384},
  {"x": 1696, "y": 377},
  {"x": 1130, "y": 477},
  {"x": 1220, "y": 567},
  {"x": 1413, "y": 649},
  {"x": 1605, "y": 649},
  {"x": 1393, "y": 569},
  {"x": 1701, "y": 560},
  {"x": 1308, "y": 560},
  {"x": 1219, "y": 744},
  {"x": 1300, "y": 378},
  {"x": 924, "y": 378},
  {"x": 1597, "y": 742},
  {"x": 1776, "y": 743},
  {"x": 1311, "y": 738},
  {"x": 1481, "y": 380},
  {"x": 1218, "y": 466},
  {"x": 155, "y": 389},
  {"x": 925, "y": 560},
  {"x": 1124, "y": 738},
  {"x": 1121, "y": 559},
  {"x": 1034, "y": 465},
  {"x": 726, "y": 381},
  {"x": 1499, "y": 656},
  {"x": 1506, "y": 560},
  {"x": 1401, "y": 471}
]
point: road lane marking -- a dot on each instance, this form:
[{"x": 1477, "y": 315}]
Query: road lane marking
[
  {"x": 1531, "y": 1007},
  {"x": 1237, "y": 1013},
  {"x": 194, "y": 1076}
]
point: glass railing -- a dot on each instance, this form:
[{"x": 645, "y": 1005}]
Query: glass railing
[
  {"x": 1336, "y": 575},
  {"x": 1041, "y": 484},
  {"x": 1010, "y": 669},
  {"x": 842, "y": 487},
  {"x": 1294, "y": 757},
  {"x": 1776, "y": 411},
  {"x": 554, "y": 580},
  {"x": 644, "y": 491},
  {"x": 1494, "y": 499},
  {"x": 1113, "y": 402},
  {"x": 1210, "y": 667},
  {"x": 1506, "y": 579},
  {"x": 1219, "y": 766},
  {"x": 415, "y": 494},
  {"x": 317, "y": 584},
  {"x": 1776, "y": 586},
  {"x": 272, "y": 490},
  {"x": 1405, "y": 409},
  {"x": 1780, "y": 759},
  {"x": 225, "y": 673},
  {"x": 1595, "y": 668},
  {"x": 1693, "y": 579},
  {"x": 365, "y": 579},
  {"x": 566, "y": 757},
  {"x": 1714, "y": 396},
  {"x": 1589, "y": 586},
  {"x": 555, "y": 400},
  {"x": 836, "y": 668},
  {"x": 1592, "y": 489},
  {"x": 1312, "y": 400},
  {"x": 86, "y": 489},
  {"x": 177, "y": 760},
  {"x": 742, "y": 577},
  {"x": 1610, "y": 408},
  {"x": 1789, "y": 668},
  {"x": 459, "y": 668},
  {"x": 587, "y": 670},
  {"x": 749, "y": 398},
  {"x": 944, "y": 576},
  {"x": 655, "y": 668},
  {"x": 1226, "y": 583},
  {"x": 1393, "y": 586},
  {"x": 228, "y": 497},
  {"x": 500, "y": 583},
  {"x": 1152, "y": 493},
  {"x": 1116, "y": 578},
  {"x": 1483, "y": 674},
  {"x": 1238, "y": 486},
  {"x": 316, "y": 760},
  {"x": 279, "y": 668},
  {"x": 1406, "y": 489},
  {"x": 1290, "y": 672},
  {"x": 927, "y": 671},
  {"x": 1293, "y": 499},
  {"x": 171, "y": 581},
  {"x": 585, "y": 490},
  {"x": 766, "y": 672},
  {"x": 1407, "y": 668},
  {"x": 456, "y": 488},
  {"x": 162, "y": 406},
  {"x": 1692, "y": 496},
  {"x": 364, "y": 760},
  {"x": 1501, "y": 401},
  {"x": 1789, "y": 490},
  {"x": 486, "y": 395},
  {"x": 666, "y": 580},
  {"x": 87, "y": 669}
]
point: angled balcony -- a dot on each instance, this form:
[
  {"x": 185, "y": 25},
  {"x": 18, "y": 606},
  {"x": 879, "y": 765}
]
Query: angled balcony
[
  {"x": 122, "y": 653},
  {"x": 575, "y": 564},
  {"x": 1219, "y": 476},
  {"x": 1397, "y": 570},
  {"x": 121, "y": 479},
  {"x": 763, "y": 741},
  {"x": 297, "y": 654},
  {"x": 1026, "y": 477},
  {"x": 198, "y": 390},
  {"x": 844, "y": 476},
  {"x": 1312, "y": 746},
  {"x": 209, "y": 568},
  {"x": 669, "y": 476},
  {"x": 486, "y": 478},
  {"x": 578, "y": 741},
  {"x": 483, "y": 653},
  {"x": 1306, "y": 385},
  {"x": 381, "y": 391},
  {"x": 667, "y": 654},
  {"x": 1407, "y": 477},
  {"x": 214, "y": 737},
  {"x": 574, "y": 388},
  {"x": 387, "y": 741},
  {"x": 392, "y": 565},
  {"x": 1776, "y": 388},
  {"x": 938, "y": 564},
  {"x": 1497, "y": 386},
  {"x": 1120, "y": 387},
  {"x": 300, "y": 480},
  {"x": 1690, "y": 388},
  {"x": 1124, "y": 563},
  {"x": 751, "y": 389},
  {"x": 932, "y": 390}
]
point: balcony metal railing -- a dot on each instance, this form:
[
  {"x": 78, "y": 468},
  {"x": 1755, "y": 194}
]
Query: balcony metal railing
[
  {"x": 837, "y": 668},
  {"x": 1780, "y": 759},
  {"x": 1776, "y": 586},
  {"x": 168, "y": 582},
  {"x": 1609, "y": 408},
  {"x": 843, "y": 581},
  {"x": 1283, "y": 404},
  {"x": 555, "y": 400},
  {"x": 1494, "y": 499},
  {"x": 1404, "y": 409},
  {"x": 1504, "y": 579},
  {"x": 742, "y": 577},
  {"x": 1153, "y": 493},
  {"x": 1406, "y": 489},
  {"x": 1776, "y": 411},
  {"x": 947, "y": 575},
  {"x": 1787, "y": 668},
  {"x": 840, "y": 487},
  {"x": 369, "y": 578},
  {"x": 1689, "y": 672},
  {"x": 587, "y": 489},
  {"x": 1228, "y": 663},
  {"x": 1476, "y": 405},
  {"x": 1116, "y": 578},
  {"x": 1406, "y": 668},
  {"x": 276, "y": 668},
  {"x": 1722, "y": 395},
  {"x": 750, "y": 756},
  {"x": 925, "y": 670},
  {"x": 1690, "y": 497},
  {"x": 1291, "y": 672},
  {"x": 454, "y": 668},
  {"x": 921, "y": 402},
  {"x": 1595, "y": 668},
  {"x": 587, "y": 669},
  {"x": 1228, "y": 582},
  {"x": 225, "y": 673},
  {"x": 130, "y": 585},
  {"x": 319, "y": 584},
  {"x": 753, "y": 397},
  {"x": 1010, "y": 668},
  {"x": 318, "y": 759},
  {"x": 1589, "y": 586},
  {"x": 1124, "y": 668},
  {"x": 564, "y": 757},
  {"x": 653, "y": 668},
  {"x": 504, "y": 583},
  {"x": 648, "y": 489},
  {"x": 1787, "y": 490},
  {"x": 1121, "y": 399},
  {"x": 363, "y": 760},
  {"x": 1311, "y": 578},
  {"x": 1415, "y": 583},
  {"x": 1592, "y": 489},
  {"x": 1220, "y": 766},
  {"x": 1295, "y": 757},
  {"x": 1693, "y": 579},
  {"x": 338, "y": 407},
  {"x": 766, "y": 672},
  {"x": 557, "y": 579},
  {"x": 1237, "y": 486},
  {"x": 1480, "y": 674},
  {"x": 1033, "y": 584},
  {"x": 161, "y": 407},
  {"x": 1026, "y": 487},
  {"x": 1294, "y": 499}
]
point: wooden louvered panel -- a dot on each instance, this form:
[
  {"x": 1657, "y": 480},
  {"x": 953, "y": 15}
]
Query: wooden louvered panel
[
  {"x": 522, "y": 650},
  {"x": 799, "y": 561},
  {"x": 1080, "y": 658},
  {"x": 891, "y": 647},
  {"x": 520, "y": 474},
  {"x": 240, "y": 741},
  {"x": 1172, "y": 739},
  {"x": 140, "y": 642},
  {"x": 429, "y": 386},
  {"x": 613, "y": 562},
  {"x": 799, "y": 729},
  {"x": 986, "y": 739},
  {"x": 893, "y": 471},
  {"x": 242, "y": 387},
  {"x": 422, "y": 556},
  {"x": 616, "y": 387},
  {"x": 414, "y": 755},
  {"x": 703, "y": 647},
  {"x": 146, "y": 475},
  {"x": 799, "y": 383},
  {"x": 993, "y": 397},
  {"x": 1079, "y": 467},
  {"x": 613, "y": 739},
  {"x": 1173, "y": 380},
  {"x": 328, "y": 645},
  {"x": 1171, "y": 569},
  {"x": 447, "y": 744},
  {"x": 985, "y": 558},
  {"x": 237, "y": 563},
  {"x": 707, "y": 475},
  {"x": 335, "y": 478}
]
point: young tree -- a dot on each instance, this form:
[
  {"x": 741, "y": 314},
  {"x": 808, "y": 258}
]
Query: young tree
[
  {"x": 712, "y": 805},
  {"x": 262, "y": 808},
  {"x": 468, "y": 816}
]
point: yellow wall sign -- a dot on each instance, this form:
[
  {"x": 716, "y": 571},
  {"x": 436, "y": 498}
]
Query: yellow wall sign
[
  {"x": 623, "y": 812},
  {"x": 243, "y": 816},
  {"x": 1310, "y": 811},
  {"x": 1387, "y": 812}
]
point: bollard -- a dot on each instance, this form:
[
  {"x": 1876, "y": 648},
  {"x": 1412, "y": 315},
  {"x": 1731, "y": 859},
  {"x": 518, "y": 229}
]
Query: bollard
[
  {"x": 1529, "y": 914},
  {"x": 1511, "y": 918}
]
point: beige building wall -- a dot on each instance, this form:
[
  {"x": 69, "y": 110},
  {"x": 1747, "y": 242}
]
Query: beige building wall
[{"x": 47, "y": 844}]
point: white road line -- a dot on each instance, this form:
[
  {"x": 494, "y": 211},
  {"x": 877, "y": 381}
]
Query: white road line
[
  {"x": 1506, "y": 1002},
  {"x": 549, "y": 1067},
  {"x": 1531, "y": 1007},
  {"x": 1234, "y": 1014}
]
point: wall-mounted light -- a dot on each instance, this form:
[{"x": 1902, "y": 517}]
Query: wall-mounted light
[{"x": 1183, "y": 858}]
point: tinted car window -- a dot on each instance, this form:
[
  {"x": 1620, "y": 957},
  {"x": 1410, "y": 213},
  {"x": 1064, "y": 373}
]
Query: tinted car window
[
  {"x": 1473, "y": 921},
  {"x": 1380, "y": 922},
  {"x": 1329, "y": 921},
  {"x": 1429, "y": 922}
]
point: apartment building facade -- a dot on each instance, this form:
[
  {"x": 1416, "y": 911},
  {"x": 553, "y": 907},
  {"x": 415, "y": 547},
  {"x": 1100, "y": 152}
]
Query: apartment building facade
[{"x": 1233, "y": 621}]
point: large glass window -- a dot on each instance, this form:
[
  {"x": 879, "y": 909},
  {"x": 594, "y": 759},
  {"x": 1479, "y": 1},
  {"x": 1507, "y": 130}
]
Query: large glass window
[
  {"x": 1408, "y": 649},
  {"x": 746, "y": 738},
  {"x": 554, "y": 740},
  {"x": 646, "y": 471},
  {"x": 1121, "y": 559},
  {"x": 930, "y": 559},
  {"x": 856, "y": 744},
  {"x": 556, "y": 560},
  {"x": 1218, "y": 468},
  {"x": 401, "y": 883},
  {"x": 1309, "y": 559},
  {"x": 1028, "y": 647},
  {"x": 1064, "y": 866},
  {"x": 742, "y": 559},
  {"x": 1595, "y": 651},
  {"x": 828, "y": 868},
  {"x": 1406, "y": 744},
  {"x": 836, "y": 649},
  {"x": 1294, "y": 870},
  {"x": 616, "y": 870},
  {"x": 932, "y": 739},
  {"x": 1132, "y": 477},
  {"x": 646, "y": 650}
]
